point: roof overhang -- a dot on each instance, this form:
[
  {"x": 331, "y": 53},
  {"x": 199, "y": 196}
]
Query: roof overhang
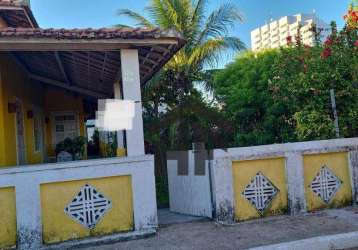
[
  {"x": 87, "y": 61},
  {"x": 17, "y": 14}
]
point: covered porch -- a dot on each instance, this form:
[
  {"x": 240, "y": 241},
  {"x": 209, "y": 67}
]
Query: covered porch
[{"x": 70, "y": 70}]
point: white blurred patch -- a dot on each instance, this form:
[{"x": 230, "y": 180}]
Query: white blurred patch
[{"x": 114, "y": 114}]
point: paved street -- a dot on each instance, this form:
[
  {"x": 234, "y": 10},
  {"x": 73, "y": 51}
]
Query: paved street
[{"x": 204, "y": 234}]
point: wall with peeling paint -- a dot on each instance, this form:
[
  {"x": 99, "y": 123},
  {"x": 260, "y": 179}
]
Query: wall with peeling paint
[
  {"x": 302, "y": 163},
  {"x": 42, "y": 193},
  {"x": 243, "y": 172}
]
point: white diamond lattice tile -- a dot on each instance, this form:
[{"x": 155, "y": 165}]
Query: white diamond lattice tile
[
  {"x": 88, "y": 207},
  {"x": 326, "y": 184},
  {"x": 260, "y": 192}
]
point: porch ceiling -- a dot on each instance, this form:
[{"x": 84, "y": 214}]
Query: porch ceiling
[{"x": 87, "y": 61}]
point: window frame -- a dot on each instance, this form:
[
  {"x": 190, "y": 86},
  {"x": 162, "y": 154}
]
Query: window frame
[{"x": 63, "y": 113}]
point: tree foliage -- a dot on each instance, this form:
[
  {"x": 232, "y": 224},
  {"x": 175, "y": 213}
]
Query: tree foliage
[{"x": 284, "y": 95}]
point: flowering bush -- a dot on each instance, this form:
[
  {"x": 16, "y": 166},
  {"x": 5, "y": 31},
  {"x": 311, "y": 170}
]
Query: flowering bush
[
  {"x": 284, "y": 95},
  {"x": 351, "y": 17},
  {"x": 303, "y": 77}
]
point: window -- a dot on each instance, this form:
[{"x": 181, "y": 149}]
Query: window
[
  {"x": 37, "y": 131},
  {"x": 65, "y": 126}
]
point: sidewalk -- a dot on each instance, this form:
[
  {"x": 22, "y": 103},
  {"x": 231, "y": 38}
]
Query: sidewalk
[{"x": 204, "y": 234}]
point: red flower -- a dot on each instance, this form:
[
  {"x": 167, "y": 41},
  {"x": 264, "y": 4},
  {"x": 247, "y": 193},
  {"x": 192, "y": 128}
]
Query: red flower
[
  {"x": 328, "y": 42},
  {"x": 356, "y": 43},
  {"x": 289, "y": 39},
  {"x": 326, "y": 53}
]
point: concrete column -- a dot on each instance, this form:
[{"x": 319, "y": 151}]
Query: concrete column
[
  {"x": 121, "y": 150},
  {"x": 28, "y": 214},
  {"x": 353, "y": 165},
  {"x": 132, "y": 91},
  {"x": 295, "y": 181},
  {"x": 223, "y": 189},
  {"x": 144, "y": 200}
]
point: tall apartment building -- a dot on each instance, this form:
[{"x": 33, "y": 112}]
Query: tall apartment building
[{"x": 274, "y": 34}]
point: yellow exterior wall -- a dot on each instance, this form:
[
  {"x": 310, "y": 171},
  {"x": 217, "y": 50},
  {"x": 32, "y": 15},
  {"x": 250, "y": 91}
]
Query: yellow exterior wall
[
  {"x": 57, "y": 226},
  {"x": 244, "y": 171},
  {"x": 15, "y": 84},
  {"x": 338, "y": 164},
  {"x": 7, "y": 217}
]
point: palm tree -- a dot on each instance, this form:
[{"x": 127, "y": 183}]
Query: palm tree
[{"x": 206, "y": 36}]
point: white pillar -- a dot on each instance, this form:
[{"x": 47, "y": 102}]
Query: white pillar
[
  {"x": 132, "y": 91},
  {"x": 120, "y": 133},
  {"x": 28, "y": 213}
]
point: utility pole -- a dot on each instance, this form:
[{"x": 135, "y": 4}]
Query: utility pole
[{"x": 334, "y": 109}]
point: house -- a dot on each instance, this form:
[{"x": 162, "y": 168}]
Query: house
[{"x": 51, "y": 81}]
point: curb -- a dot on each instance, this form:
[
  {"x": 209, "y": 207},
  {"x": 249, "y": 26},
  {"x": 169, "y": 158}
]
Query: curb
[
  {"x": 329, "y": 242},
  {"x": 104, "y": 240}
]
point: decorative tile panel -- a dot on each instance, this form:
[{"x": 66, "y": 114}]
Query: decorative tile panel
[
  {"x": 88, "y": 207},
  {"x": 326, "y": 184},
  {"x": 260, "y": 192}
]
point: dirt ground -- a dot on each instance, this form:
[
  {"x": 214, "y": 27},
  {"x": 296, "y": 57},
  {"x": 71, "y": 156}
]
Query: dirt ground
[{"x": 207, "y": 235}]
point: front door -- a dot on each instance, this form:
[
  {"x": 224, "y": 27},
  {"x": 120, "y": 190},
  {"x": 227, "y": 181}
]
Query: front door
[{"x": 20, "y": 134}]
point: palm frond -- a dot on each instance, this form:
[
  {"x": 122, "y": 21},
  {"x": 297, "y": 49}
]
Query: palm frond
[
  {"x": 219, "y": 22},
  {"x": 211, "y": 51},
  {"x": 141, "y": 20},
  {"x": 158, "y": 12},
  {"x": 199, "y": 11},
  {"x": 184, "y": 9},
  {"x": 197, "y": 19}
]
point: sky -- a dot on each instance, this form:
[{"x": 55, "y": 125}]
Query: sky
[{"x": 102, "y": 13}]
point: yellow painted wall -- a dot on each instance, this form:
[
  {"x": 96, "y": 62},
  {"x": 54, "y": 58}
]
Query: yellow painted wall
[
  {"x": 57, "y": 226},
  {"x": 15, "y": 84},
  {"x": 338, "y": 164},
  {"x": 244, "y": 171},
  {"x": 7, "y": 217}
]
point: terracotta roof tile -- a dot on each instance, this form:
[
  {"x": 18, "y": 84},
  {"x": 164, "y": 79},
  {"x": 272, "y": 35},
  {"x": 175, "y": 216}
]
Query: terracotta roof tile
[
  {"x": 11, "y": 3},
  {"x": 22, "y": 16},
  {"x": 88, "y": 34}
]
